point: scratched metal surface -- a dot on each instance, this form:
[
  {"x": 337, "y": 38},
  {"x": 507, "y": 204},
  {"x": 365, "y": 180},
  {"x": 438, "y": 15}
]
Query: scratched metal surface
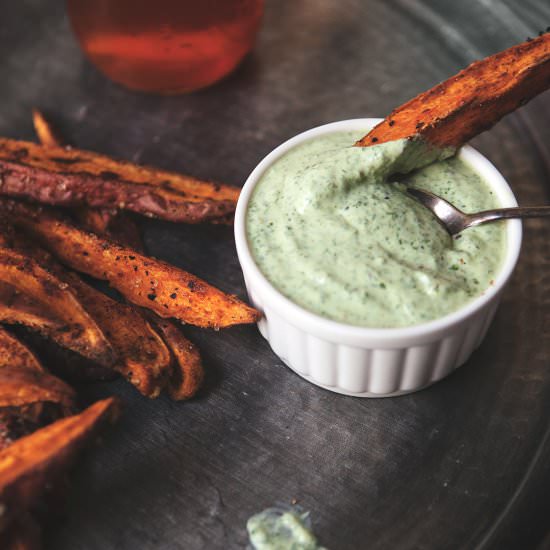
[{"x": 463, "y": 464}]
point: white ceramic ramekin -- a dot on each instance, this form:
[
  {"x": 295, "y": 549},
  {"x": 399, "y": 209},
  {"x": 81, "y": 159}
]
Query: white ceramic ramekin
[{"x": 371, "y": 362}]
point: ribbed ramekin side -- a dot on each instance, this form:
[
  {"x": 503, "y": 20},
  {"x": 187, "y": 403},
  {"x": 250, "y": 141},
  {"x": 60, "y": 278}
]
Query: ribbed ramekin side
[
  {"x": 368, "y": 369},
  {"x": 354, "y": 369}
]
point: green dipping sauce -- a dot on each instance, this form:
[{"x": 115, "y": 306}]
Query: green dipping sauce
[
  {"x": 275, "y": 529},
  {"x": 331, "y": 230}
]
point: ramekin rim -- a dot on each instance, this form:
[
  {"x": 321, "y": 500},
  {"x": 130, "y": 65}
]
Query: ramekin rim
[{"x": 319, "y": 325}]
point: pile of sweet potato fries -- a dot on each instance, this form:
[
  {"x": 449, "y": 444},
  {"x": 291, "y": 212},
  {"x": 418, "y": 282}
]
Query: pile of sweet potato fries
[
  {"x": 43, "y": 250},
  {"x": 63, "y": 213}
]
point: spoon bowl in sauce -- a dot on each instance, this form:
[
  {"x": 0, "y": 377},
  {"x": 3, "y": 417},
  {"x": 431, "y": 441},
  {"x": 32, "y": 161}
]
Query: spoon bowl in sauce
[{"x": 455, "y": 220}]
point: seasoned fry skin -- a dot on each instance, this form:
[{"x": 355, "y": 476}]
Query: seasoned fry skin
[
  {"x": 144, "y": 281},
  {"x": 472, "y": 101},
  {"x": 30, "y": 465},
  {"x": 78, "y": 331},
  {"x": 15, "y": 354},
  {"x": 187, "y": 371},
  {"x": 69, "y": 177},
  {"x": 73, "y": 161}
]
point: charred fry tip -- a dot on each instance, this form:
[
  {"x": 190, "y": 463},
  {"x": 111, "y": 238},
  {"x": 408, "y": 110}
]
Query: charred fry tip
[{"x": 44, "y": 131}]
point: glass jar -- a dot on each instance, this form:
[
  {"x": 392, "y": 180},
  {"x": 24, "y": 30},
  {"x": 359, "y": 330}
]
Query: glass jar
[{"x": 165, "y": 46}]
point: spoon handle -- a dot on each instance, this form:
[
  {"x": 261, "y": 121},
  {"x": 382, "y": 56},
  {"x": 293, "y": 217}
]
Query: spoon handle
[{"x": 504, "y": 213}]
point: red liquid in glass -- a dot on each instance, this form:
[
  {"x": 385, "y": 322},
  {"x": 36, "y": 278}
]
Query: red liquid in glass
[{"x": 166, "y": 46}]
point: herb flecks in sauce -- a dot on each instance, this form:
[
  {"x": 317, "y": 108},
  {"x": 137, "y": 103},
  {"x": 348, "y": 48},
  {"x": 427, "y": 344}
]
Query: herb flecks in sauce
[{"x": 331, "y": 230}]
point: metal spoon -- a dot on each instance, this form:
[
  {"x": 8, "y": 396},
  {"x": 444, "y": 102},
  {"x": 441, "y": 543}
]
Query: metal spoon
[{"x": 455, "y": 221}]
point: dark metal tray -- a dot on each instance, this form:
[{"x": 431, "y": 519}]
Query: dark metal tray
[{"x": 463, "y": 464}]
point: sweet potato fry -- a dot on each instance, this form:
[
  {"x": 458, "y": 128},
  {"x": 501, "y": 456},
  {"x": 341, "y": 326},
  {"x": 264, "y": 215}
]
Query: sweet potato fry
[
  {"x": 78, "y": 330},
  {"x": 33, "y": 463},
  {"x": 74, "y": 161},
  {"x": 187, "y": 371},
  {"x": 44, "y": 131},
  {"x": 103, "y": 221},
  {"x": 142, "y": 356},
  {"x": 15, "y": 354},
  {"x": 472, "y": 101},
  {"x": 144, "y": 281},
  {"x": 69, "y": 177},
  {"x": 23, "y": 386}
]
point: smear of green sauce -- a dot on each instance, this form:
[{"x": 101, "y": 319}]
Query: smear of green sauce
[
  {"x": 329, "y": 227},
  {"x": 275, "y": 529}
]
